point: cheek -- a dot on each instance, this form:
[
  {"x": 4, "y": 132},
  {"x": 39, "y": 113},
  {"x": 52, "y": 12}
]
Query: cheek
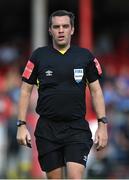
[
  {"x": 69, "y": 33},
  {"x": 54, "y": 34}
]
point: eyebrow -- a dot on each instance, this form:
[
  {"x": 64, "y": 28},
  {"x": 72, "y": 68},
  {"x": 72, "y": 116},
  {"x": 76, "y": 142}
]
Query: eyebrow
[{"x": 57, "y": 26}]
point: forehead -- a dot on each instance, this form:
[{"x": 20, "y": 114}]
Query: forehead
[{"x": 60, "y": 20}]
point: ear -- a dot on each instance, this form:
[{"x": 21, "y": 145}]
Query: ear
[
  {"x": 49, "y": 30},
  {"x": 72, "y": 31}
]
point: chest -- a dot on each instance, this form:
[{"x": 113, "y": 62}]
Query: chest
[{"x": 60, "y": 68}]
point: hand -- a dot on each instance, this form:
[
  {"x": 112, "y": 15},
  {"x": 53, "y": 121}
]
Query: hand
[
  {"x": 23, "y": 136},
  {"x": 101, "y": 136}
]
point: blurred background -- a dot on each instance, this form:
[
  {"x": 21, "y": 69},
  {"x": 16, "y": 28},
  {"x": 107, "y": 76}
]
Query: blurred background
[{"x": 102, "y": 27}]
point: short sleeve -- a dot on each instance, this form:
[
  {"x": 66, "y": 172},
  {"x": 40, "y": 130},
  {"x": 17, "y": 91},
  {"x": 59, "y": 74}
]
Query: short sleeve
[
  {"x": 31, "y": 69},
  {"x": 93, "y": 69}
]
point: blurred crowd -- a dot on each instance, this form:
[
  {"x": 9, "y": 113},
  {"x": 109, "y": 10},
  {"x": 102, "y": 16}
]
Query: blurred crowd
[
  {"x": 113, "y": 162},
  {"x": 15, "y": 161},
  {"x": 21, "y": 162}
]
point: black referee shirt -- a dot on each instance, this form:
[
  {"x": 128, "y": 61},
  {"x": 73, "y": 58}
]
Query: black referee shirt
[{"x": 62, "y": 80}]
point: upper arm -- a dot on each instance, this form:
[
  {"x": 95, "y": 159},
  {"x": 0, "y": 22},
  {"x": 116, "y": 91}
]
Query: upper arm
[
  {"x": 95, "y": 87},
  {"x": 93, "y": 68},
  {"x": 26, "y": 88},
  {"x": 30, "y": 73}
]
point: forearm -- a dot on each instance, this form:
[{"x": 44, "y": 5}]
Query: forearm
[
  {"x": 98, "y": 104},
  {"x": 23, "y": 135},
  {"x": 97, "y": 99},
  {"x": 24, "y": 101}
]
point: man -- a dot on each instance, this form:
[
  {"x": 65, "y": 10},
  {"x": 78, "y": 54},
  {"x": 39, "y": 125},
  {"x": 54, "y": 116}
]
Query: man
[{"x": 62, "y": 71}]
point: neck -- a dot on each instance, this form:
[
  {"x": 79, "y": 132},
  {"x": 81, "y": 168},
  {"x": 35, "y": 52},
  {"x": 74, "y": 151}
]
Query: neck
[{"x": 59, "y": 47}]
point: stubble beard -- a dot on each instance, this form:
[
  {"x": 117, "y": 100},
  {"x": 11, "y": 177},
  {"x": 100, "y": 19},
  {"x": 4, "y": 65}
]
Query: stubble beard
[{"x": 61, "y": 46}]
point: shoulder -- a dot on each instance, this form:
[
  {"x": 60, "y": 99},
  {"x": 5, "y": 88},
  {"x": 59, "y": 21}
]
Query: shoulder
[
  {"x": 83, "y": 52},
  {"x": 41, "y": 49},
  {"x": 39, "y": 52}
]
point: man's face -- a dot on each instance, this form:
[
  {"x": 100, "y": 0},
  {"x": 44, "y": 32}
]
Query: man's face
[{"x": 61, "y": 31}]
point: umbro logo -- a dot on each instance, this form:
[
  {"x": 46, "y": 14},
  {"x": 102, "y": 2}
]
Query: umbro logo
[
  {"x": 85, "y": 158},
  {"x": 49, "y": 73}
]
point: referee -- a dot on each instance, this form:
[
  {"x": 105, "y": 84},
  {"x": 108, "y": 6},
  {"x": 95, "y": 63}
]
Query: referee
[{"x": 61, "y": 72}]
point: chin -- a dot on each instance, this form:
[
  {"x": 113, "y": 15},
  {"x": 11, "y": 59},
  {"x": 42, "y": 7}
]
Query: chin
[{"x": 62, "y": 44}]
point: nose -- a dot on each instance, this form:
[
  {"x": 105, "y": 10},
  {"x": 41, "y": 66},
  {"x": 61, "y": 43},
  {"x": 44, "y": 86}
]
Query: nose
[{"x": 61, "y": 29}]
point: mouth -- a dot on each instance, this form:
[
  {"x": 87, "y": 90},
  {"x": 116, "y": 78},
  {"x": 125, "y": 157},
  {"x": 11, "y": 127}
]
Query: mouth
[{"x": 61, "y": 38}]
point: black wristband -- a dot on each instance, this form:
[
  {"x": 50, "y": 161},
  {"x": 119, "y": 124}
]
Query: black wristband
[
  {"x": 103, "y": 120},
  {"x": 20, "y": 123}
]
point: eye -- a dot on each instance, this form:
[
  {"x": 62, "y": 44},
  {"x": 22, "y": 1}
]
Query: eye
[
  {"x": 56, "y": 26},
  {"x": 66, "y": 26}
]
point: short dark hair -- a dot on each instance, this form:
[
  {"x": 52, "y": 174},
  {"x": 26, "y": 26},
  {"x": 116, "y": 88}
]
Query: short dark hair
[{"x": 62, "y": 13}]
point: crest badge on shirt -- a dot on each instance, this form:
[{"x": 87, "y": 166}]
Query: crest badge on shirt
[{"x": 78, "y": 75}]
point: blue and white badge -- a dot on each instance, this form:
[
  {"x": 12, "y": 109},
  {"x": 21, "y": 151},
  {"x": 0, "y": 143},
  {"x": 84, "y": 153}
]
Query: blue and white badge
[{"x": 78, "y": 75}]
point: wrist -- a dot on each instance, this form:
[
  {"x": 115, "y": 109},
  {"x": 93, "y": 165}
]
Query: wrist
[
  {"x": 21, "y": 123},
  {"x": 103, "y": 120}
]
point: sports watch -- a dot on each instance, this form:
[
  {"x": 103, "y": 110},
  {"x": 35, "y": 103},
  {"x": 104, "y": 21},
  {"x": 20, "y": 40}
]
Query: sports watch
[
  {"x": 103, "y": 120},
  {"x": 20, "y": 123}
]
